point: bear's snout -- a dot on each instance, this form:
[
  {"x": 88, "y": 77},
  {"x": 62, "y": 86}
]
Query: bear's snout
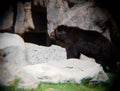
[{"x": 52, "y": 35}]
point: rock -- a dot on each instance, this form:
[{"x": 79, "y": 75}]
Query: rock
[
  {"x": 12, "y": 57},
  {"x": 9, "y": 39},
  {"x": 24, "y": 18},
  {"x": 27, "y": 80},
  {"x": 60, "y": 71},
  {"x": 41, "y": 54}
]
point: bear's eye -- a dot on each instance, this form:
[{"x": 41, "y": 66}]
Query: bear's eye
[{"x": 62, "y": 32}]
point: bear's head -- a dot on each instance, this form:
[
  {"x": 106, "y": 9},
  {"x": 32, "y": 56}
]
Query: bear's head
[{"x": 60, "y": 33}]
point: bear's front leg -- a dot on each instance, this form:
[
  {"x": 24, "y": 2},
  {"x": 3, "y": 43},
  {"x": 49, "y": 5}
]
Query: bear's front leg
[{"x": 72, "y": 52}]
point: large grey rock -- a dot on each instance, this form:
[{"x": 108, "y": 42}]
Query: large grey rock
[
  {"x": 12, "y": 56},
  {"x": 72, "y": 70}
]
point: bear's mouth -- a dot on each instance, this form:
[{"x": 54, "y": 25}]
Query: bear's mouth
[{"x": 52, "y": 35}]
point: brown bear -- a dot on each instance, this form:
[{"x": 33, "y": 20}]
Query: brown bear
[{"x": 90, "y": 43}]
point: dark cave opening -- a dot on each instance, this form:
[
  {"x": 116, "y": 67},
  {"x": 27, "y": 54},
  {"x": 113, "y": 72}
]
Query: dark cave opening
[{"x": 39, "y": 35}]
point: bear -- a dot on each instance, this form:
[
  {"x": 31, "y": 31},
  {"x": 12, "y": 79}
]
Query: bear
[{"x": 90, "y": 43}]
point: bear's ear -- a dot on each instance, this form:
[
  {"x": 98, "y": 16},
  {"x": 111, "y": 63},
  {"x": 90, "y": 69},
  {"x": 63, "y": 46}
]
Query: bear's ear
[{"x": 62, "y": 28}]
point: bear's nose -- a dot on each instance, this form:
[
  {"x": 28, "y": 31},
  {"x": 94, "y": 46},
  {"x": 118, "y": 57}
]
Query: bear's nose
[{"x": 52, "y": 35}]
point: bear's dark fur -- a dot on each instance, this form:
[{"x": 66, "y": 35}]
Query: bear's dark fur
[{"x": 90, "y": 43}]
